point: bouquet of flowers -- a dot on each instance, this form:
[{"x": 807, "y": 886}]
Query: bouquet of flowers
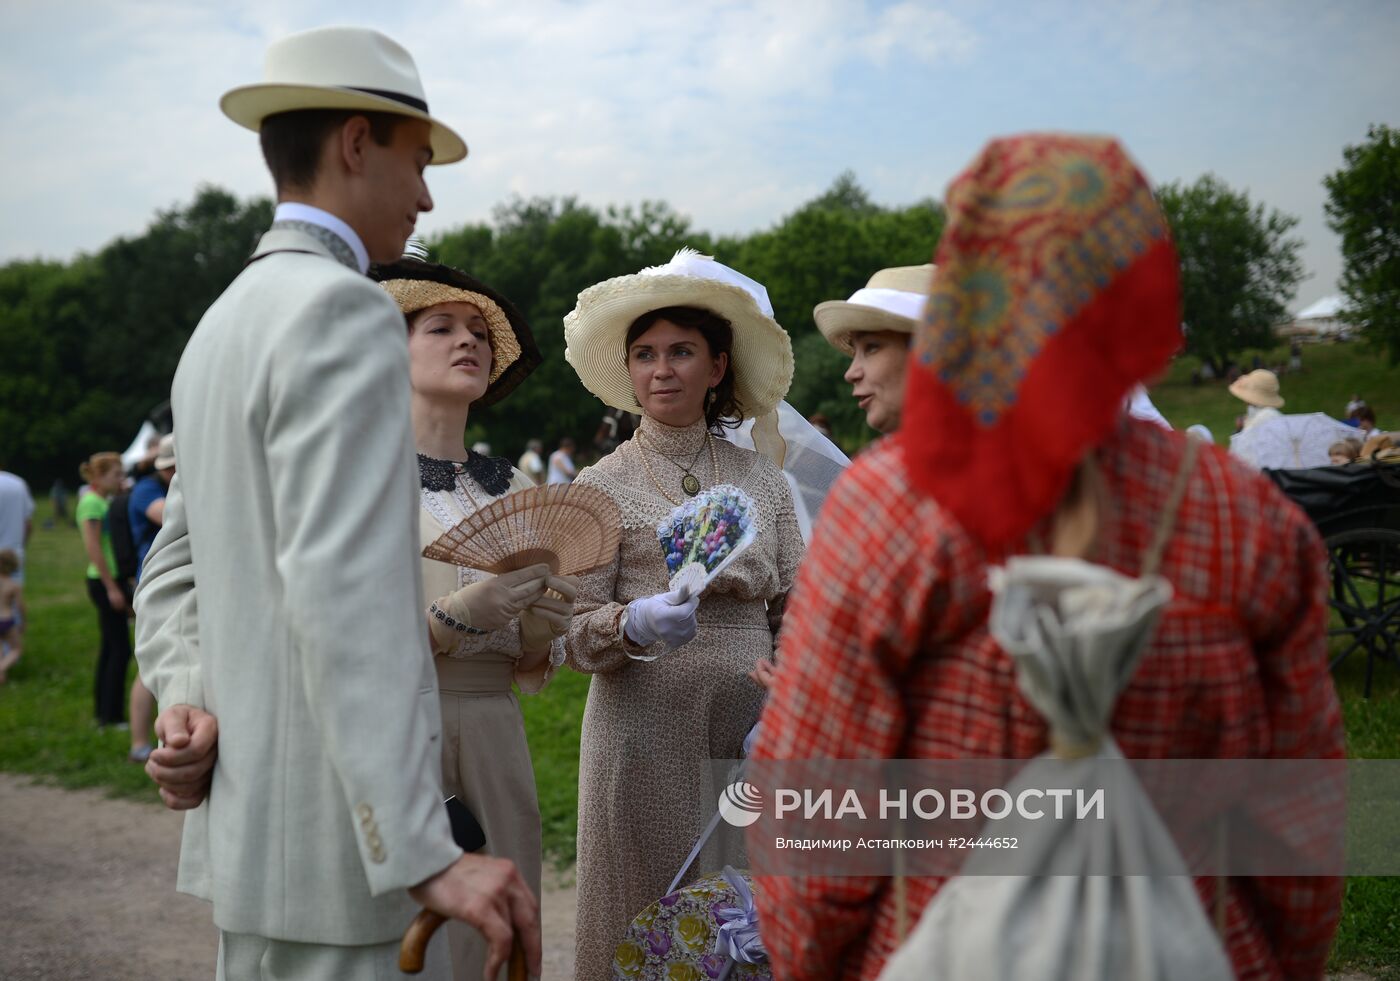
[{"x": 704, "y": 535}]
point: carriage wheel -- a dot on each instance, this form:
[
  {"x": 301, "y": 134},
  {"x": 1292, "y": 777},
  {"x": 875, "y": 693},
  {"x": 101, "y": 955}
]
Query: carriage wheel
[{"x": 1364, "y": 565}]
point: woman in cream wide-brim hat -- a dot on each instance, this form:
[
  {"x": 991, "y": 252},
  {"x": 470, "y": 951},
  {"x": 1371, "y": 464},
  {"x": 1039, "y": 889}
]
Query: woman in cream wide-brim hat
[
  {"x": 1259, "y": 390},
  {"x": 469, "y": 346},
  {"x": 692, "y": 345}
]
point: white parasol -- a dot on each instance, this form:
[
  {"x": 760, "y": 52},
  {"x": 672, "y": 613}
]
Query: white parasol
[{"x": 1290, "y": 442}]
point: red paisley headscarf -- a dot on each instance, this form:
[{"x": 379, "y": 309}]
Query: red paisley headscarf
[{"x": 1056, "y": 292}]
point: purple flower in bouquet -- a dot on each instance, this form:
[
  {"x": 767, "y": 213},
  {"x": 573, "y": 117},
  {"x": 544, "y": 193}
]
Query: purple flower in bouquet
[
  {"x": 658, "y": 943},
  {"x": 713, "y": 964}
]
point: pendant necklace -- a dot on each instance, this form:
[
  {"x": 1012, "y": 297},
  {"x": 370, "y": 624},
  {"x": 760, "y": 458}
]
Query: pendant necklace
[{"x": 690, "y": 483}]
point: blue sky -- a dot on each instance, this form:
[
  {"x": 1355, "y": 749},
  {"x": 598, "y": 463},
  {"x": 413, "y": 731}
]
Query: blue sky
[{"x": 734, "y": 113}]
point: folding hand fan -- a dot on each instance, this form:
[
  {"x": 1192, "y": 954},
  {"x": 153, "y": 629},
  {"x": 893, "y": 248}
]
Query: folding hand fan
[{"x": 571, "y": 527}]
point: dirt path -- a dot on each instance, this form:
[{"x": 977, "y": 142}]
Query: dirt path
[{"x": 87, "y": 891}]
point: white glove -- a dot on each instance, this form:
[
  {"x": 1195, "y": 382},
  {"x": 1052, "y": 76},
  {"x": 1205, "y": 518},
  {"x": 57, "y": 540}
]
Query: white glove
[
  {"x": 550, "y": 615},
  {"x": 492, "y": 603},
  {"x": 665, "y": 617}
]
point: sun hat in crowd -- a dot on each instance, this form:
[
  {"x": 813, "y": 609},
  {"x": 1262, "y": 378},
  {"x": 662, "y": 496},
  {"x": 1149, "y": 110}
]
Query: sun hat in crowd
[
  {"x": 893, "y": 299},
  {"x": 1057, "y": 292},
  {"x": 340, "y": 68},
  {"x": 595, "y": 331},
  {"x": 416, "y": 285},
  {"x": 1259, "y": 387},
  {"x": 165, "y": 452}
]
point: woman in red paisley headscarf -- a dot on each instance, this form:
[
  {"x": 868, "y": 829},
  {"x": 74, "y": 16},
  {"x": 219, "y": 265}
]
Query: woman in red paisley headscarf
[{"x": 1056, "y": 293}]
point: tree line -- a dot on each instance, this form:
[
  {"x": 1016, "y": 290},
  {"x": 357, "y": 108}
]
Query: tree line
[{"x": 89, "y": 346}]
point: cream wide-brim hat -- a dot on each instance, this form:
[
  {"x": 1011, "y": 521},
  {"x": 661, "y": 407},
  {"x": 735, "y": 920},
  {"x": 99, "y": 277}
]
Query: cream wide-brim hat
[
  {"x": 595, "y": 331},
  {"x": 340, "y": 68},
  {"x": 1259, "y": 387},
  {"x": 893, "y": 299}
]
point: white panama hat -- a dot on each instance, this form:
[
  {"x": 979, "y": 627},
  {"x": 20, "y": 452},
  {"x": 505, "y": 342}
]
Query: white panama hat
[
  {"x": 595, "y": 331},
  {"x": 892, "y": 300},
  {"x": 340, "y": 68}
]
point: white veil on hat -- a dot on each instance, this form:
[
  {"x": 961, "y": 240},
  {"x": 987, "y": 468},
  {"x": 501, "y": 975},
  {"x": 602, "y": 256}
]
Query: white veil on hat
[{"x": 810, "y": 462}]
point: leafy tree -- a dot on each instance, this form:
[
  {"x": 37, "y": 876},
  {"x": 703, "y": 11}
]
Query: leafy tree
[
  {"x": 94, "y": 344},
  {"x": 1239, "y": 267},
  {"x": 1363, "y": 207}
]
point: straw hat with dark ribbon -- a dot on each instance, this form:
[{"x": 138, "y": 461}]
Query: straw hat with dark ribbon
[{"x": 340, "y": 68}]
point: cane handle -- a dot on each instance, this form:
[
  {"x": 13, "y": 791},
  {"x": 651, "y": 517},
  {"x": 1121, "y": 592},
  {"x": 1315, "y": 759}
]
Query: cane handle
[{"x": 414, "y": 947}]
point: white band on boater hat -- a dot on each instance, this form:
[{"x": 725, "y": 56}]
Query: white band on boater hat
[
  {"x": 595, "y": 331},
  {"x": 892, "y": 300},
  {"x": 340, "y": 68}
]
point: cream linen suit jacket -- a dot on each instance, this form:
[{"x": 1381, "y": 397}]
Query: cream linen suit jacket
[{"x": 283, "y": 594}]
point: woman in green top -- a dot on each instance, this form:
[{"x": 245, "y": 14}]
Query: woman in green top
[{"x": 111, "y": 596}]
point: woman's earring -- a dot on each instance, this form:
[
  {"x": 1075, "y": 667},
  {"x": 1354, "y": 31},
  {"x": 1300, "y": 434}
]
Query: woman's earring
[{"x": 709, "y": 398}]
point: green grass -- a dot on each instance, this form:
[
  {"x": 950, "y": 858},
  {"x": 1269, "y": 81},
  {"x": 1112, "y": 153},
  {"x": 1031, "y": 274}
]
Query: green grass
[{"x": 46, "y": 709}]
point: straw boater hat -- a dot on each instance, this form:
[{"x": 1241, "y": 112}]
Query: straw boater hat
[
  {"x": 1259, "y": 387},
  {"x": 340, "y": 68},
  {"x": 595, "y": 331},
  {"x": 416, "y": 285},
  {"x": 892, "y": 300}
]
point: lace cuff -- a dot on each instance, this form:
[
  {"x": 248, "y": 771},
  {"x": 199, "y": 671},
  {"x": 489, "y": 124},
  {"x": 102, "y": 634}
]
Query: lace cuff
[{"x": 533, "y": 682}]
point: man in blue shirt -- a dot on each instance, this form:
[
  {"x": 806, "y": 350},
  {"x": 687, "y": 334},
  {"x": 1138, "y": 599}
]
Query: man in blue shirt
[
  {"x": 146, "y": 504},
  {"x": 145, "y": 511}
]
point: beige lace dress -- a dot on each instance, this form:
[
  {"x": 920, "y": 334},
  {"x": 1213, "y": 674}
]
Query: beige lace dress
[
  {"x": 485, "y": 758},
  {"x": 650, "y": 727}
]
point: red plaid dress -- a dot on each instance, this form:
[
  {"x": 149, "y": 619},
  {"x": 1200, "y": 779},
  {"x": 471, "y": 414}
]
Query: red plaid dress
[{"x": 885, "y": 654}]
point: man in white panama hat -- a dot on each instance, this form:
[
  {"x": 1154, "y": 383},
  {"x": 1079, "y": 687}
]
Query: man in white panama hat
[
  {"x": 874, "y": 327},
  {"x": 283, "y": 593}
]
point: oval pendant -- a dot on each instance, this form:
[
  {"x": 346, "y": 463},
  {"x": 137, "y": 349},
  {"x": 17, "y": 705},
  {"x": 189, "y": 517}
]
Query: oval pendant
[{"x": 690, "y": 484}]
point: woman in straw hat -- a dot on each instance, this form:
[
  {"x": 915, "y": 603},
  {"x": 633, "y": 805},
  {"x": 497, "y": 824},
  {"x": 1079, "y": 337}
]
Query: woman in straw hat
[
  {"x": 469, "y": 346},
  {"x": 873, "y": 328},
  {"x": 691, "y": 345},
  {"x": 1258, "y": 390},
  {"x": 1056, "y": 293}
]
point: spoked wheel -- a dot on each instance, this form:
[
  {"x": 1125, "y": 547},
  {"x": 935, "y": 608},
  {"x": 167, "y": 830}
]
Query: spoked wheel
[{"x": 1364, "y": 565}]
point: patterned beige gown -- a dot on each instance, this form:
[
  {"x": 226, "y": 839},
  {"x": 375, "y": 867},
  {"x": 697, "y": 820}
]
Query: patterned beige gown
[
  {"x": 645, "y": 786},
  {"x": 485, "y": 758}
]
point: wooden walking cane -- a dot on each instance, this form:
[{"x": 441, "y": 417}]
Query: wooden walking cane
[{"x": 413, "y": 949}]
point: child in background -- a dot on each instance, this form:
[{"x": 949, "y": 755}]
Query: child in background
[
  {"x": 1342, "y": 452},
  {"x": 11, "y": 612}
]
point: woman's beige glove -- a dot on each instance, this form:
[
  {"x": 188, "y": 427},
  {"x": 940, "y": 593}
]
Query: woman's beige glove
[
  {"x": 492, "y": 603},
  {"x": 549, "y": 616}
]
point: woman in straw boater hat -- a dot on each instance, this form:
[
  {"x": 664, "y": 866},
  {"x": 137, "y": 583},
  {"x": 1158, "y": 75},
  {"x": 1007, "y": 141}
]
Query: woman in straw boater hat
[
  {"x": 1259, "y": 391},
  {"x": 469, "y": 346},
  {"x": 873, "y": 328},
  {"x": 691, "y": 345},
  {"x": 1056, "y": 293}
]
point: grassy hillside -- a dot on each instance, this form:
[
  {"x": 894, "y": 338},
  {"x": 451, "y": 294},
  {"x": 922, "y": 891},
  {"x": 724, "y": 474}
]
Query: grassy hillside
[{"x": 1331, "y": 375}]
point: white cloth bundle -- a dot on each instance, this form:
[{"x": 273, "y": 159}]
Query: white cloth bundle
[{"x": 1076, "y": 632}]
